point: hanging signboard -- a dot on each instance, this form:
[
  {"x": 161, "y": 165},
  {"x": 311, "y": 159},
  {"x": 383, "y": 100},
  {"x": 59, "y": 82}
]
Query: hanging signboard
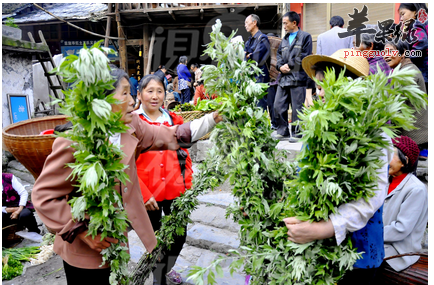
[{"x": 68, "y": 47}]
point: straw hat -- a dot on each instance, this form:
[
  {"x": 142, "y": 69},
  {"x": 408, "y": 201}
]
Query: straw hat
[{"x": 343, "y": 57}]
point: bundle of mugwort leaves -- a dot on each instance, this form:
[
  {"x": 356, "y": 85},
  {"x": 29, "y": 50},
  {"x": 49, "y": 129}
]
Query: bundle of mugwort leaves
[
  {"x": 344, "y": 137},
  {"x": 97, "y": 164}
]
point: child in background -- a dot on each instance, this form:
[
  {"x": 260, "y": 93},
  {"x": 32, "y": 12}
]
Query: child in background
[{"x": 163, "y": 175}]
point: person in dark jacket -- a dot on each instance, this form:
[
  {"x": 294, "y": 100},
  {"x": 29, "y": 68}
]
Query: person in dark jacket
[
  {"x": 295, "y": 46},
  {"x": 134, "y": 85},
  {"x": 257, "y": 48},
  {"x": 161, "y": 72}
]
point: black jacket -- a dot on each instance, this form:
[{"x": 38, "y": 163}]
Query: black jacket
[
  {"x": 259, "y": 48},
  {"x": 293, "y": 54}
]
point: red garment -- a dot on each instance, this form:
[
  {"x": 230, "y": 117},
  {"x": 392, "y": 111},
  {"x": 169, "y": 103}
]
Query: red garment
[
  {"x": 395, "y": 182},
  {"x": 200, "y": 93},
  {"x": 159, "y": 171}
]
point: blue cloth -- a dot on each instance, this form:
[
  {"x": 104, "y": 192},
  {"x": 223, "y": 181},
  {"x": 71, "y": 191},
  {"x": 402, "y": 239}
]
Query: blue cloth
[
  {"x": 134, "y": 86},
  {"x": 166, "y": 82},
  {"x": 183, "y": 73},
  {"x": 370, "y": 240},
  {"x": 177, "y": 96},
  {"x": 292, "y": 36},
  {"x": 182, "y": 84}
]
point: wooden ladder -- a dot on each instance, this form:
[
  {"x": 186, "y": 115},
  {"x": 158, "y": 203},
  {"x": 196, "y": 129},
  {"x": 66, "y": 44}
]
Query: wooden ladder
[{"x": 46, "y": 57}]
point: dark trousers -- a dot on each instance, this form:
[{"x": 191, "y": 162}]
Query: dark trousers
[
  {"x": 262, "y": 103},
  {"x": 82, "y": 276},
  {"x": 25, "y": 219},
  {"x": 168, "y": 261},
  {"x": 359, "y": 276},
  {"x": 271, "y": 96},
  {"x": 294, "y": 95},
  {"x": 185, "y": 96}
]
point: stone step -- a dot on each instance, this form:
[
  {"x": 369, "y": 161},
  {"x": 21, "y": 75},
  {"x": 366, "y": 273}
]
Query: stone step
[
  {"x": 207, "y": 237},
  {"x": 214, "y": 216},
  {"x": 191, "y": 256},
  {"x": 221, "y": 199},
  {"x": 198, "y": 150},
  {"x": 21, "y": 172}
]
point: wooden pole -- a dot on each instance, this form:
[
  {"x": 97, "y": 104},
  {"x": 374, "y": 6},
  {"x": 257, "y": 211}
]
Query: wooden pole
[
  {"x": 151, "y": 51},
  {"x": 109, "y": 21},
  {"x": 145, "y": 49},
  {"x": 123, "y": 60}
]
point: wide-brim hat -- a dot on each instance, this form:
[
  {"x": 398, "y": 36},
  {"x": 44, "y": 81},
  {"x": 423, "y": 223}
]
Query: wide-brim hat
[{"x": 358, "y": 65}]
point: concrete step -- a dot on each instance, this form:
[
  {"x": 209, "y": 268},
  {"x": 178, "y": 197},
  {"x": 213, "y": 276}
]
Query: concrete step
[
  {"x": 214, "y": 216},
  {"x": 198, "y": 150},
  {"x": 221, "y": 199},
  {"x": 207, "y": 237},
  {"x": 191, "y": 256},
  {"x": 17, "y": 169}
]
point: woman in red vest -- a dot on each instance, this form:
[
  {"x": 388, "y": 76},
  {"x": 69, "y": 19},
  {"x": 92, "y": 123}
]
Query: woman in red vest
[{"x": 163, "y": 175}]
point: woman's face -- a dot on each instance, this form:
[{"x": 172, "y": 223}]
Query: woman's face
[
  {"x": 392, "y": 60},
  {"x": 122, "y": 93},
  {"x": 319, "y": 90},
  {"x": 395, "y": 165},
  {"x": 406, "y": 14},
  {"x": 152, "y": 96}
]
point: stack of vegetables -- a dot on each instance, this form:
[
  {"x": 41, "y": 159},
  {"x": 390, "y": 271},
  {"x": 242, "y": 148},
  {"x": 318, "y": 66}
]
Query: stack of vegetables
[{"x": 12, "y": 260}]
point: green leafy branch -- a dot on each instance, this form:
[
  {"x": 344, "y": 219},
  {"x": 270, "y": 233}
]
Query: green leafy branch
[
  {"x": 342, "y": 138},
  {"x": 97, "y": 169}
]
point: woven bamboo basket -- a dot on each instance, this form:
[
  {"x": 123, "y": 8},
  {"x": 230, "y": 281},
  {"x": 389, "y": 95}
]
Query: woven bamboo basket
[
  {"x": 192, "y": 115},
  {"x": 9, "y": 236},
  {"x": 24, "y": 141}
]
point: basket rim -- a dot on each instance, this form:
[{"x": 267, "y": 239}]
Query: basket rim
[{"x": 19, "y": 124}]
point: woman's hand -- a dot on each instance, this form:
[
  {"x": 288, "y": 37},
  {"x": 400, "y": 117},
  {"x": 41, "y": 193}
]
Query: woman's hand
[
  {"x": 217, "y": 117},
  {"x": 15, "y": 214},
  {"x": 11, "y": 209},
  {"x": 96, "y": 243},
  {"x": 151, "y": 204},
  {"x": 304, "y": 232}
]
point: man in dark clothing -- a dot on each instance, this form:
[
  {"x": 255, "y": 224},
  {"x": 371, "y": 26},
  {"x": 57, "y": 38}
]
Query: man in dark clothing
[
  {"x": 161, "y": 72},
  {"x": 257, "y": 48},
  {"x": 295, "y": 46},
  {"x": 134, "y": 85}
]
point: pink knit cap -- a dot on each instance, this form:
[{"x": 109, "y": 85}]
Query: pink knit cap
[{"x": 408, "y": 147}]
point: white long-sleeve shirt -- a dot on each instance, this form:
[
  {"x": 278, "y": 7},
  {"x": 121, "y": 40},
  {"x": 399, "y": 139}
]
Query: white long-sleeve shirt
[
  {"x": 354, "y": 215},
  {"x": 198, "y": 127},
  {"x": 20, "y": 190}
]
